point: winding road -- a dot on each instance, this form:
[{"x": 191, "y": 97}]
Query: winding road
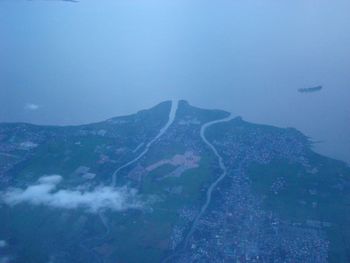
[
  {"x": 211, "y": 187},
  {"x": 172, "y": 115},
  {"x": 216, "y": 182}
]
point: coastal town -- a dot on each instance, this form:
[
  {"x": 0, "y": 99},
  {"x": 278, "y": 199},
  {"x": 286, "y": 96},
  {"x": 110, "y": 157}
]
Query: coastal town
[{"x": 201, "y": 187}]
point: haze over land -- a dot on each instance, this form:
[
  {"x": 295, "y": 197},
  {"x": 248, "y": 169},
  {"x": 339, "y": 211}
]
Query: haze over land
[
  {"x": 64, "y": 63},
  {"x": 175, "y": 183}
]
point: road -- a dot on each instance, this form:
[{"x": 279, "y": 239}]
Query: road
[
  {"x": 211, "y": 187},
  {"x": 172, "y": 114}
]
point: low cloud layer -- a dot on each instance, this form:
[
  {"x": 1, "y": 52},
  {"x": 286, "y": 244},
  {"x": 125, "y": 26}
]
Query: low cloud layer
[
  {"x": 5, "y": 259},
  {"x": 3, "y": 243},
  {"x": 45, "y": 192},
  {"x": 31, "y": 106}
]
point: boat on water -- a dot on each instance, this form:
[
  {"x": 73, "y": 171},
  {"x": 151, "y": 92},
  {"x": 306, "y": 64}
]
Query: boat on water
[{"x": 312, "y": 89}]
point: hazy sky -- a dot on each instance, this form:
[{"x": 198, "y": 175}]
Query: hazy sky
[{"x": 72, "y": 63}]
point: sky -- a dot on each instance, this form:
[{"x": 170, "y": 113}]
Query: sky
[{"x": 72, "y": 63}]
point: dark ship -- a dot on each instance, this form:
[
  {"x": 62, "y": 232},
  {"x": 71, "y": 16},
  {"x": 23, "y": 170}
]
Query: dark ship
[{"x": 309, "y": 90}]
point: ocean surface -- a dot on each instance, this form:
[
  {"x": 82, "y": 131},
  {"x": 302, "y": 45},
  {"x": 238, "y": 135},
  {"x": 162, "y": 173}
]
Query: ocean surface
[{"x": 72, "y": 63}]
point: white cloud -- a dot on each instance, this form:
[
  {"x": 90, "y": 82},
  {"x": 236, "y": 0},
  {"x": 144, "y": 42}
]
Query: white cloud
[
  {"x": 51, "y": 179},
  {"x": 5, "y": 259},
  {"x": 45, "y": 192},
  {"x": 31, "y": 106},
  {"x": 3, "y": 243}
]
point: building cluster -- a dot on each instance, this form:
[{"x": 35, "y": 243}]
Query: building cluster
[{"x": 236, "y": 227}]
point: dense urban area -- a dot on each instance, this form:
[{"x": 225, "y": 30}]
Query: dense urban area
[{"x": 174, "y": 183}]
